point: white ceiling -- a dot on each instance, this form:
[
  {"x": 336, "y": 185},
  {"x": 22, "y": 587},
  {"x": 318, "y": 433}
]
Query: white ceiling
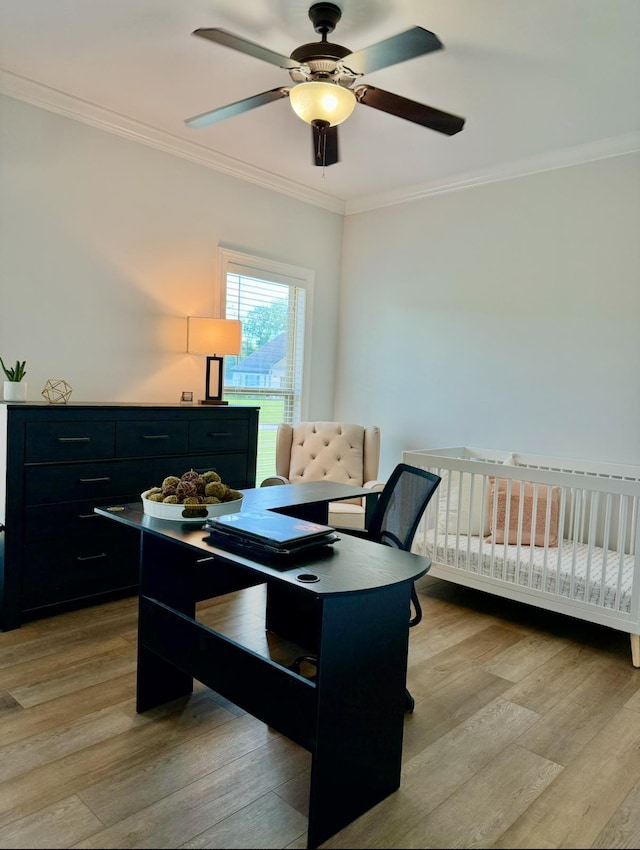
[{"x": 538, "y": 81}]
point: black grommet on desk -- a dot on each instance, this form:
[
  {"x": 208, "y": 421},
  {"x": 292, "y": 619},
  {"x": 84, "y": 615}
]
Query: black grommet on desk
[{"x": 308, "y": 578}]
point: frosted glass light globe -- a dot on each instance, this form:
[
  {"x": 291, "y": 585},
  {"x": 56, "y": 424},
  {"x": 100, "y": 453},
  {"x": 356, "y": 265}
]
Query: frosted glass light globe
[{"x": 321, "y": 101}]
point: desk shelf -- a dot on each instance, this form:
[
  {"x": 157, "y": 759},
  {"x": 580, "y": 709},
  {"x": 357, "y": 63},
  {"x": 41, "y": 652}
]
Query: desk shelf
[{"x": 279, "y": 697}]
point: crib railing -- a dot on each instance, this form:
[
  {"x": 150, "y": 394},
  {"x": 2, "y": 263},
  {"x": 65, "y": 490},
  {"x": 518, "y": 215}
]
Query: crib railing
[
  {"x": 561, "y": 526},
  {"x": 598, "y": 504}
]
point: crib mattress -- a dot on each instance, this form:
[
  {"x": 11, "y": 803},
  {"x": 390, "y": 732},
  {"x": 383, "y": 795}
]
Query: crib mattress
[{"x": 572, "y": 570}]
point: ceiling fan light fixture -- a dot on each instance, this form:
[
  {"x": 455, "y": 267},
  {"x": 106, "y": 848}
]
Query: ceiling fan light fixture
[
  {"x": 318, "y": 100},
  {"x": 324, "y": 74}
]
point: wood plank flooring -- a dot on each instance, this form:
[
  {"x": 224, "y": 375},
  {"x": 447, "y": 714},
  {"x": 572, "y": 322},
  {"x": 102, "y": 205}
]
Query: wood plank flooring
[{"x": 526, "y": 733}]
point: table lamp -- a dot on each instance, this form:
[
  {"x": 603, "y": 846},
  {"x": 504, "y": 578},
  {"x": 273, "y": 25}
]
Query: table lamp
[{"x": 221, "y": 336}]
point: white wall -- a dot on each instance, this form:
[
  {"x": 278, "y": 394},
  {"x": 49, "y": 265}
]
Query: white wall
[
  {"x": 504, "y": 316},
  {"x": 107, "y": 245}
]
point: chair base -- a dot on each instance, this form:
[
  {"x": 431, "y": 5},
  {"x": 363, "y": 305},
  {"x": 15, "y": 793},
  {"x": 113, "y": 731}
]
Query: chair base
[{"x": 409, "y": 702}]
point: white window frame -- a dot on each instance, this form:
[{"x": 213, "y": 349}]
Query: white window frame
[{"x": 237, "y": 262}]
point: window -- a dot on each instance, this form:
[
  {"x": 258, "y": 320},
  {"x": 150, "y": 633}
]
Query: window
[{"x": 271, "y": 300}]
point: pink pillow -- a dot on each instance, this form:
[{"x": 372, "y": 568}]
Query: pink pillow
[{"x": 526, "y": 491}]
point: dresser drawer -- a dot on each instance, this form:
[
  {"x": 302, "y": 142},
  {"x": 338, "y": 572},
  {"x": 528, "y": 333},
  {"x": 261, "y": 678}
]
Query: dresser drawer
[
  {"x": 146, "y": 439},
  {"x": 232, "y": 468},
  {"x": 45, "y": 524},
  {"x": 73, "y": 482},
  {"x": 57, "y": 441},
  {"x": 226, "y": 435},
  {"x": 63, "y": 572}
]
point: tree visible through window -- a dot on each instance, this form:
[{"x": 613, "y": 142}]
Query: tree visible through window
[
  {"x": 265, "y": 322},
  {"x": 270, "y": 299}
]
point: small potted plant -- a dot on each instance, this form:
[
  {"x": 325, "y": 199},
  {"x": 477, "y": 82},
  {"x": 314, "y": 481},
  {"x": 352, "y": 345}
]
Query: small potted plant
[{"x": 15, "y": 389}]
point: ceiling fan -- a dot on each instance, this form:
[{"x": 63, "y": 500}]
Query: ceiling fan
[{"x": 324, "y": 75}]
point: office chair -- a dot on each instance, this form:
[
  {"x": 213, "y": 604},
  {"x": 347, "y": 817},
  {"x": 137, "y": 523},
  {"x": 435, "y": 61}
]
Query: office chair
[{"x": 394, "y": 522}]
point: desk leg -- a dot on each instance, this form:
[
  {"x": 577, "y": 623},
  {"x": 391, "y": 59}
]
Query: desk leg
[
  {"x": 158, "y": 681},
  {"x": 165, "y": 575},
  {"x": 289, "y": 615},
  {"x": 360, "y": 718}
]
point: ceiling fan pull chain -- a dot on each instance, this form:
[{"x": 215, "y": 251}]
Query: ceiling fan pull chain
[{"x": 321, "y": 153}]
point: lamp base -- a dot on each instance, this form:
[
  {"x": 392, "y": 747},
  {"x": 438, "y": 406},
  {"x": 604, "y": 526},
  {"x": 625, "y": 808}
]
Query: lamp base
[{"x": 213, "y": 385}]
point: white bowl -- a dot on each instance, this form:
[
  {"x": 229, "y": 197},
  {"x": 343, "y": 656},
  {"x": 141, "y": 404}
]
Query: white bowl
[{"x": 160, "y": 510}]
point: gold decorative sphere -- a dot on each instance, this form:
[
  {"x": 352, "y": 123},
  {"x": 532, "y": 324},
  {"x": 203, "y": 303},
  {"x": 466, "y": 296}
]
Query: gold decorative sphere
[{"x": 57, "y": 391}]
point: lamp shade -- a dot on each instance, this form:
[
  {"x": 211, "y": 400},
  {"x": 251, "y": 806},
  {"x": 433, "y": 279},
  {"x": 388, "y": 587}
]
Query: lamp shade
[
  {"x": 322, "y": 101},
  {"x": 213, "y": 336}
]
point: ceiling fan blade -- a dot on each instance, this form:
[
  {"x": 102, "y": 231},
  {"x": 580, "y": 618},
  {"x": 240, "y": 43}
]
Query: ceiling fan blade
[
  {"x": 220, "y": 36},
  {"x": 325, "y": 145},
  {"x": 237, "y": 108},
  {"x": 398, "y": 48},
  {"x": 410, "y": 110}
]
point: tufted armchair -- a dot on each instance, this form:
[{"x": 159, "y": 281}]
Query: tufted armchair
[{"x": 330, "y": 451}]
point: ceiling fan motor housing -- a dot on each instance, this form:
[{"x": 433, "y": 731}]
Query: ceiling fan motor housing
[
  {"x": 322, "y": 55},
  {"x": 318, "y": 50},
  {"x": 321, "y": 60}
]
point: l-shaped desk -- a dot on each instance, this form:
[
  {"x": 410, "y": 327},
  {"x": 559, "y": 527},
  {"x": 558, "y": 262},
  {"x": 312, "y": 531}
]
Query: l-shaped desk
[{"x": 348, "y": 603}]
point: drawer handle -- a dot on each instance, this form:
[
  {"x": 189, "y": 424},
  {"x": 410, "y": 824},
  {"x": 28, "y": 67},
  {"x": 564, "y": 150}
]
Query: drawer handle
[
  {"x": 93, "y": 480},
  {"x": 74, "y": 439},
  {"x": 204, "y": 560},
  {"x": 220, "y": 434},
  {"x": 155, "y": 436},
  {"x": 88, "y": 516},
  {"x": 91, "y": 557}
]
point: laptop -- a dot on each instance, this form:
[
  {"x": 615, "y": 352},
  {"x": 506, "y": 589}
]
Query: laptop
[{"x": 268, "y": 532}]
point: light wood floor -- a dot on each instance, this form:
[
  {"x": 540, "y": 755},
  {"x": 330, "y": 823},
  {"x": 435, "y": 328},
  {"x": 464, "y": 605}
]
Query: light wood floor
[{"x": 526, "y": 733}]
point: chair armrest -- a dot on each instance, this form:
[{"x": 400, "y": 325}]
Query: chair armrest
[
  {"x": 377, "y": 486},
  {"x": 274, "y": 479}
]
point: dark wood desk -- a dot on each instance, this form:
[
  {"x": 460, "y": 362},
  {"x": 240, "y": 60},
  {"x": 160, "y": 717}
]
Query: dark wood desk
[{"x": 351, "y": 717}]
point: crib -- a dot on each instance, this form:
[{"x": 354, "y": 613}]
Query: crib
[{"x": 558, "y": 533}]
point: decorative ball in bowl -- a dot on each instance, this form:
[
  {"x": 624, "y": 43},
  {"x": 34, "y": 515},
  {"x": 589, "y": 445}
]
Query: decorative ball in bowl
[{"x": 191, "y": 497}]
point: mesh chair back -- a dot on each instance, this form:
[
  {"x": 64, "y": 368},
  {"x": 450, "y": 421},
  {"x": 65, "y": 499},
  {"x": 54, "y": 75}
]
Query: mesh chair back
[{"x": 401, "y": 505}]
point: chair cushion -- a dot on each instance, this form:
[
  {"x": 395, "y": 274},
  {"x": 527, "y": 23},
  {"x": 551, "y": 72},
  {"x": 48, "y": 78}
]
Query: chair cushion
[{"x": 344, "y": 514}]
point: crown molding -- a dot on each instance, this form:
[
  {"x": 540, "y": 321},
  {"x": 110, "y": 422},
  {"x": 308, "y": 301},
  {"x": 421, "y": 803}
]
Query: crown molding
[
  {"x": 565, "y": 158},
  {"x": 53, "y": 100},
  {"x": 48, "y": 98}
]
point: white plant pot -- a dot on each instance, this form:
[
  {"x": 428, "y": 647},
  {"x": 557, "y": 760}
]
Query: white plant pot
[{"x": 15, "y": 390}]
